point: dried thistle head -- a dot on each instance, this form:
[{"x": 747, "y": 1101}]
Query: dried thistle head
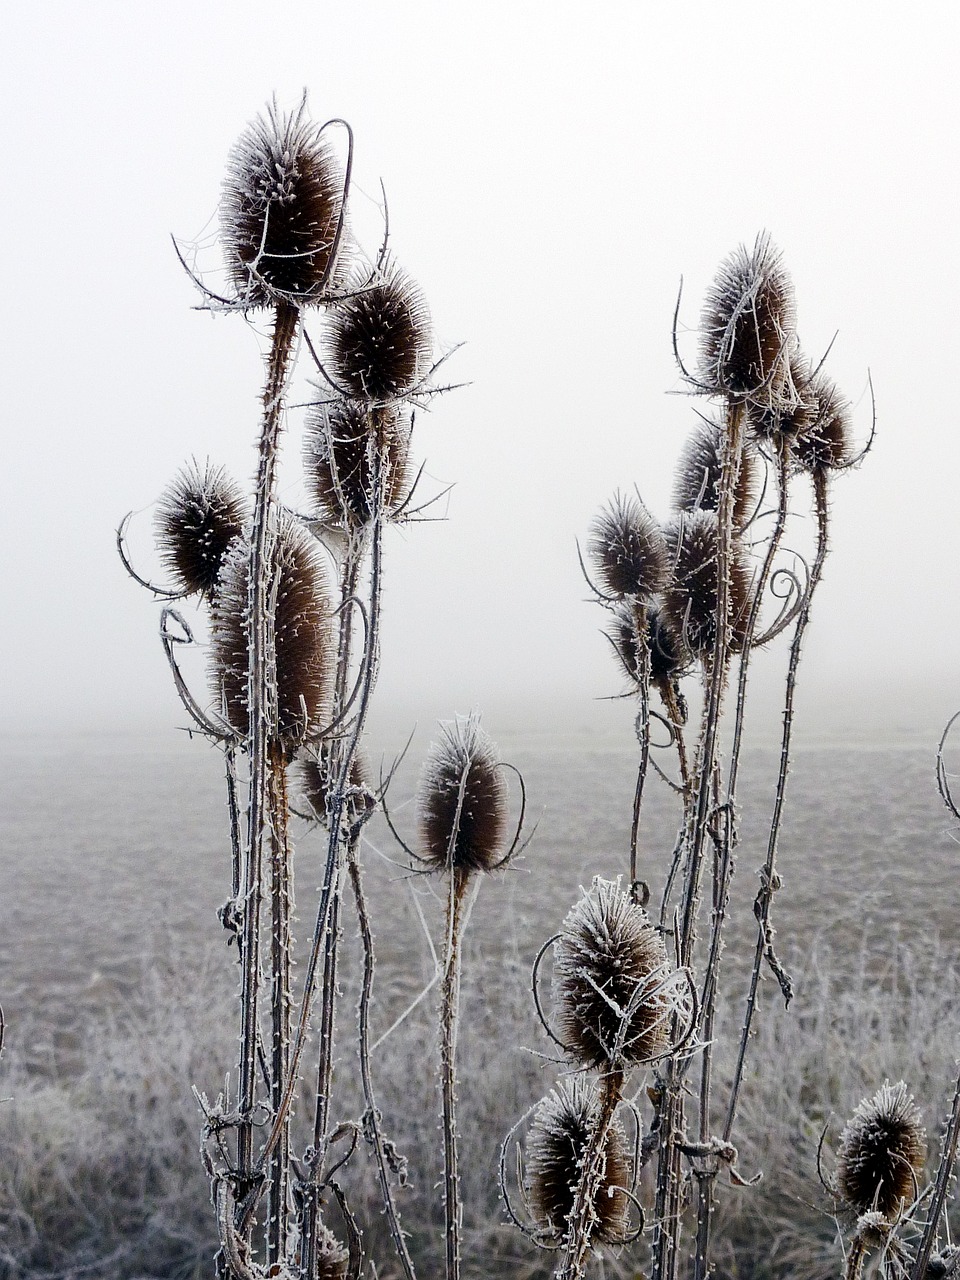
[
  {"x": 795, "y": 411},
  {"x": 559, "y": 1133},
  {"x": 317, "y": 781},
  {"x": 627, "y": 549},
  {"x": 197, "y": 518},
  {"x": 344, "y": 446},
  {"x": 281, "y": 211},
  {"x": 379, "y": 341},
  {"x": 747, "y": 326},
  {"x": 690, "y": 601},
  {"x": 613, "y": 989},
  {"x": 302, "y": 630},
  {"x": 882, "y": 1152},
  {"x": 825, "y": 442},
  {"x": 696, "y": 484},
  {"x": 462, "y": 801},
  {"x": 332, "y": 1258},
  {"x": 667, "y": 656}
]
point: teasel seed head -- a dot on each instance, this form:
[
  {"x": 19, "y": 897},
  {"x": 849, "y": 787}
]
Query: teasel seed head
[
  {"x": 667, "y": 656},
  {"x": 333, "y": 1258},
  {"x": 628, "y": 550},
  {"x": 302, "y": 630},
  {"x": 794, "y": 412},
  {"x": 462, "y": 801},
  {"x": 197, "y": 518},
  {"x": 825, "y": 442},
  {"x": 747, "y": 326},
  {"x": 696, "y": 484},
  {"x": 342, "y": 440},
  {"x": 690, "y": 601},
  {"x": 556, "y": 1144},
  {"x": 379, "y": 341},
  {"x": 882, "y": 1152},
  {"x": 613, "y": 989},
  {"x": 281, "y": 211},
  {"x": 317, "y": 780}
]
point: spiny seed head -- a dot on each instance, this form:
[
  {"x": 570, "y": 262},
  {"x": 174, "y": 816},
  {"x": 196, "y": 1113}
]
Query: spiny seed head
[
  {"x": 825, "y": 442},
  {"x": 696, "y": 484},
  {"x": 462, "y": 800},
  {"x": 748, "y": 325},
  {"x": 343, "y": 440},
  {"x": 627, "y": 549},
  {"x": 281, "y": 211},
  {"x": 197, "y": 518},
  {"x": 882, "y": 1152},
  {"x": 794, "y": 412},
  {"x": 613, "y": 988},
  {"x": 690, "y": 600},
  {"x": 317, "y": 781},
  {"x": 556, "y": 1144},
  {"x": 332, "y": 1258},
  {"x": 667, "y": 658},
  {"x": 378, "y": 342},
  {"x": 302, "y": 630}
]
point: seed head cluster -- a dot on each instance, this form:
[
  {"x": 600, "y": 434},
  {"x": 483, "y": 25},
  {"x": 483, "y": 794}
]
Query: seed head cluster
[
  {"x": 197, "y": 518},
  {"x": 882, "y": 1151},
  {"x": 462, "y": 801},
  {"x": 612, "y": 987},
  {"x": 628, "y": 549},
  {"x": 558, "y": 1137},
  {"x": 344, "y": 443},
  {"x": 379, "y": 338}
]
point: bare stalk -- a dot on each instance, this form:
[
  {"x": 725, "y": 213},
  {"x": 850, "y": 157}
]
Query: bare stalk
[
  {"x": 948, "y": 1156},
  {"x": 643, "y": 728},
  {"x": 449, "y": 1027},
  {"x": 281, "y": 943}
]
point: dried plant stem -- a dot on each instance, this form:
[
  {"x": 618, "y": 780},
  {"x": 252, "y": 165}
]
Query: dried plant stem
[
  {"x": 281, "y": 892},
  {"x": 582, "y": 1218},
  {"x": 449, "y": 1027},
  {"x": 948, "y": 1156},
  {"x": 643, "y": 729},
  {"x": 262, "y": 722},
  {"x": 769, "y": 879}
]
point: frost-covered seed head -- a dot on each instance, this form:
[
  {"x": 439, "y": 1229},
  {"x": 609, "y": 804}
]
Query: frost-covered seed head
[
  {"x": 748, "y": 325},
  {"x": 197, "y": 518},
  {"x": 882, "y": 1151},
  {"x": 302, "y": 629},
  {"x": 825, "y": 442},
  {"x": 280, "y": 211},
  {"x": 667, "y": 657},
  {"x": 559, "y": 1133},
  {"x": 342, "y": 439},
  {"x": 690, "y": 601},
  {"x": 379, "y": 341},
  {"x": 627, "y": 549},
  {"x": 317, "y": 781},
  {"x": 613, "y": 988},
  {"x": 333, "y": 1258},
  {"x": 696, "y": 484},
  {"x": 462, "y": 800},
  {"x": 795, "y": 412}
]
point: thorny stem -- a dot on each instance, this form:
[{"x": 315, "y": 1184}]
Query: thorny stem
[
  {"x": 769, "y": 879},
  {"x": 643, "y": 729},
  {"x": 582, "y": 1220},
  {"x": 281, "y": 889},
  {"x": 449, "y": 1026},
  {"x": 948, "y": 1156}
]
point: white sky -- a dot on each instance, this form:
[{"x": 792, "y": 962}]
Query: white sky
[{"x": 551, "y": 174}]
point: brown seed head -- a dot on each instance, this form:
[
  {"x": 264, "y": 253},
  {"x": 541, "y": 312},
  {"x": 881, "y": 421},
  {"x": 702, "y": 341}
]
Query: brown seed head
[
  {"x": 280, "y": 211},
  {"x": 612, "y": 985},
  {"x": 333, "y": 1258},
  {"x": 794, "y": 412},
  {"x": 197, "y": 518},
  {"x": 748, "y": 325},
  {"x": 690, "y": 601},
  {"x": 559, "y": 1133},
  {"x": 302, "y": 629},
  {"x": 342, "y": 442},
  {"x": 379, "y": 342},
  {"x": 667, "y": 658},
  {"x": 317, "y": 780},
  {"x": 462, "y": 800},
  {"x": 825, "y": 442},
  {"x": 627, "y": 549},
  {"x": 696, "y": 484},
  {"x": 882, "y": 1152}
]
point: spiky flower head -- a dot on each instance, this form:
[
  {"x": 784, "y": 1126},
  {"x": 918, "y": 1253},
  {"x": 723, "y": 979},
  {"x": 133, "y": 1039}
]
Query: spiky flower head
[
  {"x": 301, "y": 628},
  {"x": 794, "y": 412},
  {"x": 667, "y": 657},
  {"x": 345, "y": 445},
  {"x": 462, "y": 800},
  {"x": 379, "y": 340},
  {"x": 627, "y": 549},
  {"x": 197, "y": 518},
  {"x": 748, "y": 325},
  {"x": 332, "y": 1258},
  {"x": 613, "y": 989},
  {"x": 825, "y": 441},
  {"x": 558, "y": 1137},
  {"x": 690, "y": 602},
  {"x": 696, "y": 484},
  {"x": 281, "y": 211},
  {"x": 317, "y": 780},
  {"x": 882, "y": 1152}
]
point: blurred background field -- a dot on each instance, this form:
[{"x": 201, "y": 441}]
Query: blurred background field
[{"x": 120, "y": 993}]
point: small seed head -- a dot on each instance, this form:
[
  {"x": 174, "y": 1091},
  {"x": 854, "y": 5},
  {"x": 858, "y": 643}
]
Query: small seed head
[
  {"x": 667, "y": 658},
  {"x": 462, "y": 800},
  {"x": 825, "y": 442},
  {"x": 317, "y": 781},
  {"x": 345, "y": 445},
  {"x": 696, "y": 485},
  {"x": 882, "y": 1152},
  {"x": 690, "y": 601},
  {"x": 627, "y": 549},
  {"x": 197, "y": 518},
  {"x": 379, "y": 341}
]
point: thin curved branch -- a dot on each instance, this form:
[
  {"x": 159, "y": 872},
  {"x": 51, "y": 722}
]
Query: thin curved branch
[
  {"x": 168, "y": 639},
  {"x": 535, "y": 975},
  {"x": 943, "y": 778},
  {"x": 164, "y": 593}
]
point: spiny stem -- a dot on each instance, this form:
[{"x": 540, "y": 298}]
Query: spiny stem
[
  {"x": 449, "y": 1026},
  {"x": 643, "y": 728},
  {"x": 281, "y": 884},
  {"x": 582, "y": 1218}
]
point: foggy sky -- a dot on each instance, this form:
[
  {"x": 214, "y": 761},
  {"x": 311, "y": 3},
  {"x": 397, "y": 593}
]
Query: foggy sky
[{"x": 549, "y": 184}]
